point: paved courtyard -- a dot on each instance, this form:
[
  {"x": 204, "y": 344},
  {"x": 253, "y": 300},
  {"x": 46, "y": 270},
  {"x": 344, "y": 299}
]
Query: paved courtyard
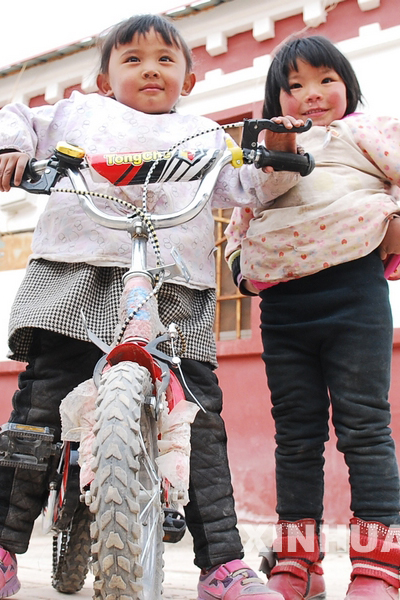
[{"x": 180, "y": 573}]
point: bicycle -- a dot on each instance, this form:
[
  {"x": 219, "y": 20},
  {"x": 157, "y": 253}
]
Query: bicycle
[{"x": 130, "y": 506}]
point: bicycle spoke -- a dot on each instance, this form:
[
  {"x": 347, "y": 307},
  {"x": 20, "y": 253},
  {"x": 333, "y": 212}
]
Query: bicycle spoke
[
  {"x": 149, "y": 539},
  {"x": 148, "y": 464},
  {"x": 152, "y": 502}
]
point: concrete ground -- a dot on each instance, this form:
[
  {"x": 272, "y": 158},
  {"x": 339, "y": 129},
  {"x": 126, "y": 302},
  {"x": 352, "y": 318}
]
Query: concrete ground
[{"x": 180, "y": 574}]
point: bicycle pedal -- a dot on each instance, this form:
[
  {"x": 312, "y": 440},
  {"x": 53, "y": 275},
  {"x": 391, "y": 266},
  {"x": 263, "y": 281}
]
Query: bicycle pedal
[
  {"x": 27, "y": 431},
  {"x": 174, "y": 526},
  {"x": 26, "y": 446}
]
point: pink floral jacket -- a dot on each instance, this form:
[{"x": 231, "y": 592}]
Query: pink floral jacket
[{"x": 337, "y": 214}]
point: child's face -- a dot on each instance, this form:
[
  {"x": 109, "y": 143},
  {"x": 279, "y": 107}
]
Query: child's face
[
  {"x": 147, "y": 74},
  {"x": 318, "y": 93}
]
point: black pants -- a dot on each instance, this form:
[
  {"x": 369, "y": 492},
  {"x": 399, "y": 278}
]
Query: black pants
[
  {"x": 327, "y": 341},
  {"x": 56, "y": 365}
]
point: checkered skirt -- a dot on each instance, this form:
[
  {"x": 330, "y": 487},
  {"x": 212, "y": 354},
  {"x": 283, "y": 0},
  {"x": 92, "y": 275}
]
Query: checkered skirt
[{"x": 52, "y": 295}]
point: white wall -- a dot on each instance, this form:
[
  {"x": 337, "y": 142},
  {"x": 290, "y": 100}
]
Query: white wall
[
  {"x": 19, "y": 211},
  {"x": 9, "y": 283},
  {"x": 375, "y": 55}
]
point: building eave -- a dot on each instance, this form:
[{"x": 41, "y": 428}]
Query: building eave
[{"x": 182, "y": 11}]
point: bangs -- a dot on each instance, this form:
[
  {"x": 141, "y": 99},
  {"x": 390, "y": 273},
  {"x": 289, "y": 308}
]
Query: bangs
[
  {"x": 141, "y": 25},
  {"x": 315, "y": 53}
]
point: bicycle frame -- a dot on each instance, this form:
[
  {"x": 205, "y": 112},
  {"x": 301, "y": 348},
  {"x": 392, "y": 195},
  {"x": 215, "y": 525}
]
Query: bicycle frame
[{"x": 137, "y": 345}]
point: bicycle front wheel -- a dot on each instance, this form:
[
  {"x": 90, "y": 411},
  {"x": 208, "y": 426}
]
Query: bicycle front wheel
[{"x": 127, "y": 530}]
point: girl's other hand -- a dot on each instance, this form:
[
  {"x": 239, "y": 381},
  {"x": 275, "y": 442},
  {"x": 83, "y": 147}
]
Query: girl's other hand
[
  {"x": 391, "y": 242},
  {"x": 12, "y": 164},
  {"x": 250, "y": 287}
]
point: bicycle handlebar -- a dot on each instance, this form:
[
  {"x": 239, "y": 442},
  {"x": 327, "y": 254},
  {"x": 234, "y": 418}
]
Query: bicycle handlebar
[
  {"x": 126, "y": 169},
  {"x": 280, "y": 161},
  {"x": 159, "y": 221}
]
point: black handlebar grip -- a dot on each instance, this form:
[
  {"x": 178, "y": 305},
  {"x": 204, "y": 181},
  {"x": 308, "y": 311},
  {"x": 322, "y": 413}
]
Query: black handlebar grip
[
  {"x": 30, "y": 173},
  {"x": 280, "y": 128},
  {"x": 285, "y": 161}
]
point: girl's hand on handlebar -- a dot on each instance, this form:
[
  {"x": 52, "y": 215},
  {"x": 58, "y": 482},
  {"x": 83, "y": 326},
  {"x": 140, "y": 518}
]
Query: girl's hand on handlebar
[
  {"x": 12, "y": 165},
  {"x": 391, "y": 242},
  {"x": 282, "y": 142}
]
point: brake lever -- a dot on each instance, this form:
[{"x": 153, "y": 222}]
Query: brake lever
[
  {"x": 39, "y": 183},
  {"x": 40, "y": 180},
  {"x": 253, "y": 127}
]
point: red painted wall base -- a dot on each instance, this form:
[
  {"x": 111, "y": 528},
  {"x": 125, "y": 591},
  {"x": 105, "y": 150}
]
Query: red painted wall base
[{"x": 251, "y": 431}]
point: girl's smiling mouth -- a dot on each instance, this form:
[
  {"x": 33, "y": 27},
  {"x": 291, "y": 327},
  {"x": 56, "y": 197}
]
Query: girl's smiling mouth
[
  {"x": 151, "y": 87},
  {"x": 315, "y": 111}
]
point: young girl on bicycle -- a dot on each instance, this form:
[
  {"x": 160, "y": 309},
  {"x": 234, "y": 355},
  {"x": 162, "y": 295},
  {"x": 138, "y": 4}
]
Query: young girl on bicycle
[
  {"x": 145, "y": 67},
  {"x": 315, "y": 258}
]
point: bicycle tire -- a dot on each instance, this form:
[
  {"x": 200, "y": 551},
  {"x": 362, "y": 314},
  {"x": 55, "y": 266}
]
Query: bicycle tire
[
  {"x": 71, "y": 553},
  {"x": 127, "y": 530}
]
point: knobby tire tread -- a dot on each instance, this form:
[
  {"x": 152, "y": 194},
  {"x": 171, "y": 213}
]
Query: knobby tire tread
[
  {"x": 117, "y": 529},
  {"x": 70, "y": 570}
]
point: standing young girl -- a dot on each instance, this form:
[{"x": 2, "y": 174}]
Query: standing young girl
[
  {"x": 315, "y": 258},
  {"x": 145, "y": 67}
]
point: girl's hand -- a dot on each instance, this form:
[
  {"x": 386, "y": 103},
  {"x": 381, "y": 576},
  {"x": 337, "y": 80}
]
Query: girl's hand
[
  {"x": 391, "y": 242},
  {"x": 250, "y": 287},
  {"x": 12, "y": 164},
  {"x": 283, "y": 142}
]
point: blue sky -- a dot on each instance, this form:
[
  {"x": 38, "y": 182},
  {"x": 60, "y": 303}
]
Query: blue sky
[{"x": 32, "y": 28}]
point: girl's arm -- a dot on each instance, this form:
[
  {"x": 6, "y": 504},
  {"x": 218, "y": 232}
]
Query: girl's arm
[
  {"x": 379, "y": 139},
  {"x": 235, "y": 232},
  {"x": 237, "y": 229},
  {"x": 21, "y": 128},
  {"x": 248, "y": 186},
  {"x": 241, "y": 217},
  {"x": 36, "y": 131},
  {"x": 17, "y": 129},
  {"x": 280, "y": 182}
]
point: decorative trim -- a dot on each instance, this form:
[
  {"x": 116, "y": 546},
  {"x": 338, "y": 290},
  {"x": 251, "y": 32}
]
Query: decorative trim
[{"x": 368, "y": 4}]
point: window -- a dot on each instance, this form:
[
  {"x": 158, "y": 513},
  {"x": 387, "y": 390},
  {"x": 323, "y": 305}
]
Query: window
[{"x": 232, "y": 319}]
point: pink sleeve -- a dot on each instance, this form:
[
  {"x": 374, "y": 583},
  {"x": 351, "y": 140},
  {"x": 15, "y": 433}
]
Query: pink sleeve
[
  {"x": 237, "y": 229},
  {"x": 379, "y": 139}
]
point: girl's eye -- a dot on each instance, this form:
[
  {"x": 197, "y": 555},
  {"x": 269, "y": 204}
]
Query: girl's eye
[
  {"x": 132, "y": 59},
  {"x": 166, "y": 59},
  {"x": 294, "y": 86},
  {"x": 328, "y": 80}
]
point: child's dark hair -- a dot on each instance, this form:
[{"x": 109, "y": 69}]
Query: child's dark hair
[
  {"x": 123, "y": 33},
  {"x": 318, "y": 51}
]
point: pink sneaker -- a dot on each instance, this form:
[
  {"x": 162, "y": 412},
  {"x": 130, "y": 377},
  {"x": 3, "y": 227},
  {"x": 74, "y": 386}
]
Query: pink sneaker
[
  {"x": 9, "y": 583},
  {"x": 234, "y": 581}
]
